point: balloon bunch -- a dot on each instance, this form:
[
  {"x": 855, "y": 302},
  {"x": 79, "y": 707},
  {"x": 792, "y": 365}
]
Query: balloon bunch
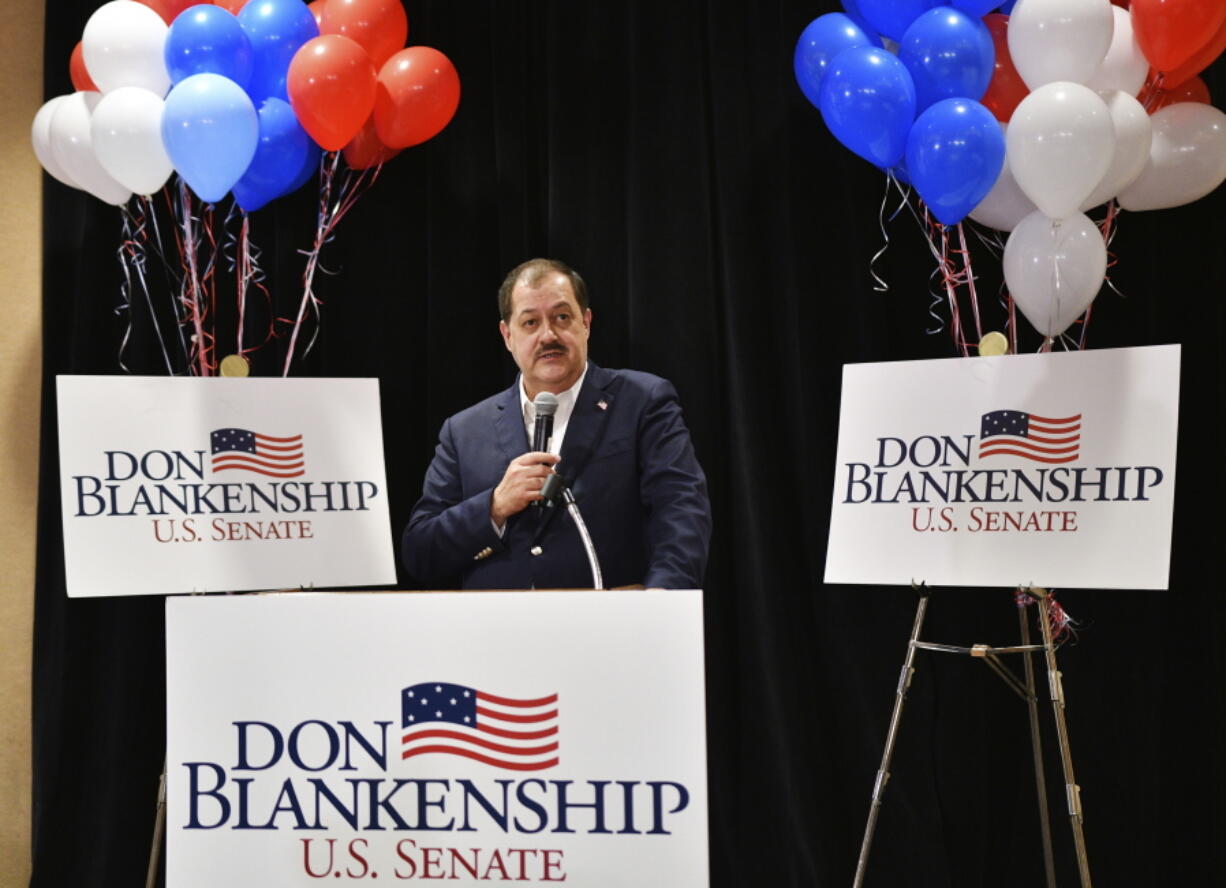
[
  {"x": 238, "y": 97},
  {"x": 1023, "y": 120}
]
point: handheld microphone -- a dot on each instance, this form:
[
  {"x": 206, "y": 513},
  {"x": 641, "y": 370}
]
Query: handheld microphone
[{"x": 546, "y": 405}]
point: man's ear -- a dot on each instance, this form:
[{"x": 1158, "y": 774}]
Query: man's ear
[{"x": 506, "y": 334}]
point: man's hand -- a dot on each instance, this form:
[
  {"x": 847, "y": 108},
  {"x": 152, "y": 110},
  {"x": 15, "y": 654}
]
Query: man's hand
[{"x": 520, "y": 485}]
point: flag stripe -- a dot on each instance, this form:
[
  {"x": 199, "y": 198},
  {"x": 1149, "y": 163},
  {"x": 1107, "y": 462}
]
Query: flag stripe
[
  {"x": 1033, "y": 456},
  {"x": 247, "y": 459},
  {"x": 245, "y": 468},
  {"x": 1054, "y": 422},
  {"x": 1025, "y": 444},
  {"x": 260, "y": 437},
  {"x": 276, "y": 449},
  {"x": 518, "y": 735},
  {"x": 468, "y": 753},
  {"x": 1045, "y": 440},
  {"x": 507, "y": 701},
  {"x": 522, "y": 719},
  {"x": 482, "y": 742}
]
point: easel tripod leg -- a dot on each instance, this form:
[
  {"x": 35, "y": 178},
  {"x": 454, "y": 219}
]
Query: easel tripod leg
[
  {"x": 159, "y": 830},
  {"x": 1072, "y": 790},
  {"x": 883, "y": 773},
  {"x": 1036, "y": 746}
]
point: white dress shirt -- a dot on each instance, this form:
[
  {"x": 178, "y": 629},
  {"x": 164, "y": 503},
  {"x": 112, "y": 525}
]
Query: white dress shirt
[{"x": 566, "y": 406}]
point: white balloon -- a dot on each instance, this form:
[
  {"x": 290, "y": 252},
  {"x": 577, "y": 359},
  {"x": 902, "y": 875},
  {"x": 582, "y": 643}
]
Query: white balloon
[
  {"x": 73, "y": 148},
  {"x": 1060, "y": 144},
  {"x": 1186, "y": 161},
  {"x": 1054, "y": 269},
  {"x": 127, "y": 134},
  {"x": 1125, "y": 67},
  {"x": 1052, "y": 40},
  {"x": 123, "y": 45},
  {"x": 1133, "y": 133},
  {"x": 1006, "y": 204},
  {"x": 40, "y": 135}
]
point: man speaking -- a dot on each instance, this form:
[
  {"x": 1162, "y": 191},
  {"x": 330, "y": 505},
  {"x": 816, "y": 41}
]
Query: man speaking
[{"x": 618, "y": 443}]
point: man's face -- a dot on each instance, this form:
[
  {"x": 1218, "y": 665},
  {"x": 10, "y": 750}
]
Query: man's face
[{"x": 547, "y": 334}]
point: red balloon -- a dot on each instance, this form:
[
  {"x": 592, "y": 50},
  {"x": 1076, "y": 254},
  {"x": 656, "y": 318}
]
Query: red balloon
[
  {"x": 1006, "y": 88},
  {"x": 1170, "y": 31},
  {"x": 419, "y": 91},
  {"x": 365, "y": 150},
  {"x": 1193, "y": 90},
  {"x": 1198, "y": 61},
  {"x": 317, "y": 10},
  {"x": 170, "y": 9},
  {"x": 380, "y": 26},
  {"x": 331, "y": 85},
  {"x": 81, "y": 81}
]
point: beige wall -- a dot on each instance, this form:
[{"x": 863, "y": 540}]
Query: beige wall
[{"x": 21, "y": 42}]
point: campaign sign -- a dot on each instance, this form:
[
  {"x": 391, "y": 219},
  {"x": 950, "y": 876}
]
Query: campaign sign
[
  {"x": 176, "y": 484},
  {"x": 408, "y": 738},
  {"x": 1047, "y": 470}
]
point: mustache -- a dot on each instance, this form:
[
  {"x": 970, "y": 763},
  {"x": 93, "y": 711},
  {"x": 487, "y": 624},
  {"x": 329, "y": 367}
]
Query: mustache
[{"x": 554, "y": 349}]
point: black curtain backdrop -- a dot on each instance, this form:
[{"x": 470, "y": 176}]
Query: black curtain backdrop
[{"x": 665, "y": 151}]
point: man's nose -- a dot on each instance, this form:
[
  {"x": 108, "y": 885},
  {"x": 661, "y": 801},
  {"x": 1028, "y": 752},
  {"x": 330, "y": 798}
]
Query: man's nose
[{"x": 548, "y": 333}]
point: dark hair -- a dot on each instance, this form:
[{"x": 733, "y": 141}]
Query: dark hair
[{"x": 530, "y": 273}]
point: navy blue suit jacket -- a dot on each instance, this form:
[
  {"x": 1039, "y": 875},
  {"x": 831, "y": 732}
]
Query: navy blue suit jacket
[{"x": 626, "y": 456}]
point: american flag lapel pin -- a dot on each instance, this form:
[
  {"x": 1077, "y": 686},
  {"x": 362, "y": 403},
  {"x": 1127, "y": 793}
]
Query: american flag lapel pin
[{"x": 602, "y": 404}]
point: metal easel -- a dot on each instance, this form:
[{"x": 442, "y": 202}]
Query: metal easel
[{"x": 1025, "y": 688}]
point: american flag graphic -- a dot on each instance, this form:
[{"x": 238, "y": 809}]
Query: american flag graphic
[
  {"x": 519, "y": 734},
  {"x": 248, "y": 451},
  {"x": 1038, "y": 438}
]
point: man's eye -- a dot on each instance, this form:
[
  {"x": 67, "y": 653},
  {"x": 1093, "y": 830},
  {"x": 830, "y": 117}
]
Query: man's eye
[
  {"x": 563, "y": 317},
  {"x": 531, "y": 322}
]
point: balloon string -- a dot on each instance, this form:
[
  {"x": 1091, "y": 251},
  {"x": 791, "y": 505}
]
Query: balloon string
[
  {"x": 968, "y": 275},
  {"x": 1109, "y": 227},
  {"x": 244, "y": 279},
  {"x": 125, "y": 288},
  {"x": 173, "y": 280},
  {"x": 329, "y": 215},
  {"x": 879, "y": 284},
  {"x": 1012, "y": 322},
  {"x": 134, "y": 258},
  {"x": 192, "y": 290},
  {"x": 950, "y": 279},
  {"x": 327, "y": 173}
]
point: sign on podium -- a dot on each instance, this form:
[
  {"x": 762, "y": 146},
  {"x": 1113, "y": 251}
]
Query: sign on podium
[{"x": 484, "y": 737}]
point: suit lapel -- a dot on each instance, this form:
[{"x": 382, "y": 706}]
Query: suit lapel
[
  {"x": 588, "y": 421},
  {"x": 509, "y": 428}
]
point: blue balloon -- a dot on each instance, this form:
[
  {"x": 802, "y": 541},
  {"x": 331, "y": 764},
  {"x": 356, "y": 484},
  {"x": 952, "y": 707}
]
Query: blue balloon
[
  {"x": 277, "y": 29},
  {"x": 210, "y": 130},
  {"x": 284, "y": 148},
  {"x": 824, "y": 38},
  {"x": 310, "y": 166},
  {"x": 1006, "y": 8},
  {"x": 893, "y": 17},
  {"x": 868, "y": 101},
  {"x": 949, "y": 55},
  {"x": 977, "y": 8},
  {"x": 852, "y": 8},
  {"x": 207, "y": 39},
  {"x": 955, "y": 152}
]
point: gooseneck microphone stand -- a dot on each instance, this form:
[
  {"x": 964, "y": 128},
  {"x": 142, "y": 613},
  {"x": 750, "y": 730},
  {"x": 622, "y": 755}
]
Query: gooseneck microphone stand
[{"x": 554, "y": 490}]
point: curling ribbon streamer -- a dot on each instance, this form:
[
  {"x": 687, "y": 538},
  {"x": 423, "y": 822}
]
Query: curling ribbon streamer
[{"x": 353, "y": 185}]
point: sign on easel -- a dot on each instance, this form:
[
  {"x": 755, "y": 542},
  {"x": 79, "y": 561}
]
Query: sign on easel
[
  {"x": 476, "y": 737},
  {"x": 1048, "y": 469},
  {"x": 174, "y": 484}
]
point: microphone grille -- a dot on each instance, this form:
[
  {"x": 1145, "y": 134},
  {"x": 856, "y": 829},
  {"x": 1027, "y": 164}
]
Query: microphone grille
[{"x": 545, "y": 404}]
